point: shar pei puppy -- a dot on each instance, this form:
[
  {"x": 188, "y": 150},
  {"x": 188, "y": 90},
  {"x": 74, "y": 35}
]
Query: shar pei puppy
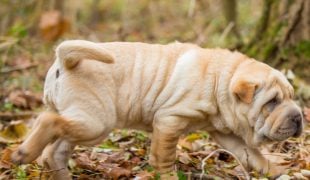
[{"x": 171, "y": 89}]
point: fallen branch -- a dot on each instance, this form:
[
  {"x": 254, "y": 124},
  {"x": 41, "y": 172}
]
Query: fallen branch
[
  {"x": 8, "y": 116},
  {"x": 7, "y": 71},
  {"x": 247, "y": 176}
]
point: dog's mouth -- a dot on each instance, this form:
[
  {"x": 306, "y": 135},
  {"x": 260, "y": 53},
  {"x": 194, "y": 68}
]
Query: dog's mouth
[{"x": 283, "y": 133}]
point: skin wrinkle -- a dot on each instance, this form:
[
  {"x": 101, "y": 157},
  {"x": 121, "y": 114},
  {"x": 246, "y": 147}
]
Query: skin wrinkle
[
  {"x": 161, "y": 82},
  {"x": 279, "y": 94},
  {"x": 166, "y": 80},
  {"x": 139, "y": 84},
  {"x": 249, "y": 134},
  {"x": 130, "y": 101},
  {"x": 149, "y": 86},
  {"x": 233, "y": 69},
  {"x": 161, "y": 91},
  {"x": 150, "y": 89}
]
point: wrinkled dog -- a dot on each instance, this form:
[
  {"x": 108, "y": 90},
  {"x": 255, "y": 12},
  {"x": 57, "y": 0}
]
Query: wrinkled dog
[{"x": 171, "y": 89}]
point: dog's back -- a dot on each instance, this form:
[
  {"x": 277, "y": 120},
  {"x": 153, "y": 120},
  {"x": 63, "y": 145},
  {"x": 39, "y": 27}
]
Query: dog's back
[{"x": 94, "y": 76}]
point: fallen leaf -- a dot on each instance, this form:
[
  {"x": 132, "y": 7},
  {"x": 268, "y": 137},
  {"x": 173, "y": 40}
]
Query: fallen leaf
[
  {"x": 95, "y": 155},
  {"x": 284, "y": 177},
  {"x": 20, "y": 61},
  {"x": 6, "y": 155},
  {"x": 15, "y": 131},
  {"x": 185, "y": 144},
  {"x": 307, "y": 114},
  {"x": 118, "y": 172},
  {"x": 144, "y": 175},
  {"x": 25, "y": 99},
  {"x": 53, "y": 25},
  {"x": 299, "y": 176},
  {"x": 5, "y": 161},
  {"x": 305, "y": 172},
  {"x": 83, "y": 161},
  {"x": 193, "y": 137},
  {"x": 135, "y": 160},
  {"x": 184, "y": 158}
]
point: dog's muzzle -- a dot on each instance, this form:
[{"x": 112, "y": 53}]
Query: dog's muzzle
[{"x": 291, "y": 127}]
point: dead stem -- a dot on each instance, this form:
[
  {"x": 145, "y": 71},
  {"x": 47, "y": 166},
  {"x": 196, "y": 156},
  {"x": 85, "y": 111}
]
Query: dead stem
[{"x": 247, "y": 176}]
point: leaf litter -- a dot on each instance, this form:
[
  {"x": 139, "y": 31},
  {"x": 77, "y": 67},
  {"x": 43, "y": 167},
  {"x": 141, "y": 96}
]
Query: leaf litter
[{"x": 124, "y": 155}]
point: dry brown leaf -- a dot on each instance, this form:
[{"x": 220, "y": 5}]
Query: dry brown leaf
[
  {"x": 5, "y": 161},
  {"x": 53, "y": 25},
  {"x": 117, "y": 157},
  {"x": 145, "y": 175},
  {"x": 83, "y": 161},
  {"x": 20, "y": 61},
  {"x": 6, "y": 155},
  {"x": 99, "y": 156},
  {"x": 118, "y": 172},
  {"x": 25, "y": 99},
  {"x": 184, "y": 158},
  {"x": 17, "y": 98},
  {"x": 135, "y": 160}
]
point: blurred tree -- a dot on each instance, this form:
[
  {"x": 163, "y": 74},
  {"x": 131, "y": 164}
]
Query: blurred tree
[
  {"x": 230, "y": 13},
  {"x": 282, "y": 36}
]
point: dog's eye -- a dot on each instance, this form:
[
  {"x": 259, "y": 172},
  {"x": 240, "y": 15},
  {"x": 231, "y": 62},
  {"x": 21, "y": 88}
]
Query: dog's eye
[
  {"x": 57, "y": 73},
  {"x": 272, "y": 103}
]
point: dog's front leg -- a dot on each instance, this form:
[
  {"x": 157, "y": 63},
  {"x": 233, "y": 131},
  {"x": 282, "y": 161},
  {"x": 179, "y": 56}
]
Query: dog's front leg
[
  {"x": 166, "y": 132},
  {"x": 249, "y": 157}
]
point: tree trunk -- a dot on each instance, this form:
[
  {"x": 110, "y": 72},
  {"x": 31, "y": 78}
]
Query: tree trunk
[{"x": 282, "y": 38}]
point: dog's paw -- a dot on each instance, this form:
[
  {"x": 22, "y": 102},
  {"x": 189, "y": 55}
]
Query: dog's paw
[
  {"x": 276, "y": 171},
  {"x": 20, "y": 157},
  {"x": 169, "y": 176}
]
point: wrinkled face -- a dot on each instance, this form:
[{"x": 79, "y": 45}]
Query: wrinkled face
[{"x": 266, "y": 101}]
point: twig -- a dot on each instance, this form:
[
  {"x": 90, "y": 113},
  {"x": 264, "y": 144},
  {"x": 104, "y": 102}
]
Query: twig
[
  {"x": 48, "y": 171},
  {"x": 197, "y": 175},
  {"x": 277, "y": 154},
  {"x": 293, "y": 24},
  {"x": 6, "y": 71},
  {"x": 228, "y": 28},
  {"x": 247, "y": 157},
  {"x": 9, "y": 116},
  {"x": 247, "y": 176},
  {"x": 191, "y": 8}
]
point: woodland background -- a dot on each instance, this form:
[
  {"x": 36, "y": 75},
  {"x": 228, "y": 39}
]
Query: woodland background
[{"x": 276, "y": 32}]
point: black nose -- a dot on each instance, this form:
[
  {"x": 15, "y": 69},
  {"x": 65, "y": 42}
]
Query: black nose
[{"x": 297, "y": 119}]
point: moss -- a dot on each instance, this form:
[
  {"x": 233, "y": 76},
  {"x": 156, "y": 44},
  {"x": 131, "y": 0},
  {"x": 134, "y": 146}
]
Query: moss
[
  {"x": 268, "y": 50},
  {"x": 303, "y": 49}
]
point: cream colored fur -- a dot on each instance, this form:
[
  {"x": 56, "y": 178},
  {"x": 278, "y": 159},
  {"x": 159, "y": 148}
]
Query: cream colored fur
[{"x": 171, "y": 89}]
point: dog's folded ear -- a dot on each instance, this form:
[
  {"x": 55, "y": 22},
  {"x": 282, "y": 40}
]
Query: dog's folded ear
[
  {"x": 71, "y": 52},
  {"x": 245, "y": 90}
]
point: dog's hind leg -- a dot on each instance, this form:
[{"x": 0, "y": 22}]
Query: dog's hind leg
[
  {"x": 55, "y": 158},
  {"x": 51, "y": 126}
]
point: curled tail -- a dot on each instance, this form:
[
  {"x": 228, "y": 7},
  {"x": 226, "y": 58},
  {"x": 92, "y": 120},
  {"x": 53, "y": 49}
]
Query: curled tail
[{"x": 71, "y": 52}]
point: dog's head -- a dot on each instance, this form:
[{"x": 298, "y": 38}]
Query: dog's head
[{"x": 264, "y": 98}]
